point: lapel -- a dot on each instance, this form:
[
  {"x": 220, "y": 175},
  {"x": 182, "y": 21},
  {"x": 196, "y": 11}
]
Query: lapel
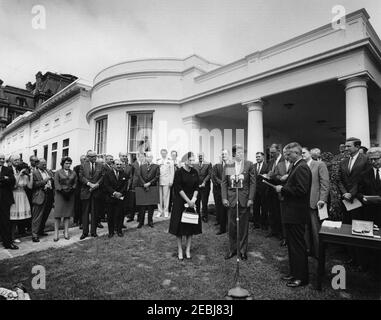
[
  {"x": 357, "y": 162},
  {"x": 38, "y": 174},
  {"x": 293, "y": 167}
]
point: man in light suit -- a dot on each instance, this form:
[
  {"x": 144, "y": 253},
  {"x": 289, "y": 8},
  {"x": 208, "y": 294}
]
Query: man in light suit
[
  {"x": 167, "y": 173},
  {"x": 245, "y": 199},
  {"x": 91, "y": 177},
  {"x": 42, "y": 199},
  {"x": 295, "y": 213},
  {"x": 260, "y": 207},
  {"x": 217, "y": 173},
  {"x": 350, "y": 171},
  {"x": 7, "y": 182},
  {"x": 149, "y": 177},
  {"x": 204, "y": 170},
  {"x": 318, "y": 199},
  {"x": 116, "y": 183}
]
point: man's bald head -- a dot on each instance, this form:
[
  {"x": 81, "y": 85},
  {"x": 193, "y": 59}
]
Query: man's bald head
[{"x": 91, "y": 156}]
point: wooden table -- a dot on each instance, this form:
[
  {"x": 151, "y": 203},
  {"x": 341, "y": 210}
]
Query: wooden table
[{"x": 342, "y": 236}]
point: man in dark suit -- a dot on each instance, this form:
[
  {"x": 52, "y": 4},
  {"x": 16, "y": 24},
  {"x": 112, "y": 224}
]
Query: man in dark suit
[
  {"x": 42, "y": 199},
  {"x": 217, "y": 173},
  {"x": 91, "y": 177},
  {"x": 295, "y": 212},
  {"x": 128, "y": 170},
  {"x": 7, "y": 182},
  {"x": 136, "y": 182},
  {"x": 116, "y": 183},
  {"x": 318, "y": 199},
  {"x": 149, "y": 177},
  {"x": 244, "y": 171},
  {"x": 204, "y": 170},
  {"x": 77, "y": 195},
  {"x": 273, "y": 200},
  {"x": 350, "y": 171},
  {"x": 370, "y": 185},
  {"x": 260, "y": 206}
]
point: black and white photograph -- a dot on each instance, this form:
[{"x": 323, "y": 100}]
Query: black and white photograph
[{"x": 202, "y": 151}]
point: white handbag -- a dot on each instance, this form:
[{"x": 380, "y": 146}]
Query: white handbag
[{"x": 189, "y": 217}]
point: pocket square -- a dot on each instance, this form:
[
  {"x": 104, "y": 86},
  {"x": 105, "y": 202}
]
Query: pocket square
[{"x": 124, "y": 179}]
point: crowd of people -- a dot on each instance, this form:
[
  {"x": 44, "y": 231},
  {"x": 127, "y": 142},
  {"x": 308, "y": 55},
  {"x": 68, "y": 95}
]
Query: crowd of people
[{"x": 281, "y": 195}]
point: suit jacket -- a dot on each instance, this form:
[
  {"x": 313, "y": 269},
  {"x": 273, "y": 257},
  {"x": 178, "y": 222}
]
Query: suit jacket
[
  {"x": 39, "y": 193},
  {"x": 111, "y": 185},
  {"x": 204, "y": 173},
  {"x": 85, "y": 176},
  {"x": 320, "y": 183},
  {"x": 136, "y": 181},
  {"x": 63, "y": 181},
  {"x": 348, "y": 181},
  {"x": 129, "y": 171},
  {"x": 6, "y": 187},
  {"x": 149, "y": 174},
  {"x": 368, "y": 187},
  {"x": 279, "y": 171},
  {"x": 260, "y": 187},
  {"x": 296, "y": 193},
  {"x": 272, "y": 166},
  {"x": 216, "y": 176},
  {"x": 249, "y": 184}
]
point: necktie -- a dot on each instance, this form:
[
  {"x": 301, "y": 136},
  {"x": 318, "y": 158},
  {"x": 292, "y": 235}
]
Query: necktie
[
  {"x": 259, "y": 168},
  {"x": 350, "y": 164},
  {"x": 117, "y": 175},
  {"x": 200, "y": 164},
  {"x": 378, "y": 181}
]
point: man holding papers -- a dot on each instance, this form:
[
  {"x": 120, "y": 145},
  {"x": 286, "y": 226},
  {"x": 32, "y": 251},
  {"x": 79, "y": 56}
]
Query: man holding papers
[{"x": 318, "y": 200}]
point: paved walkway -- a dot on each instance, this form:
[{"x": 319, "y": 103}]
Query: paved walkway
[{"x": 27, "y": 245}]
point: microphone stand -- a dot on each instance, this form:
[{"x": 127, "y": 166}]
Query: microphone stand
[{"x": 237, "y": 292}]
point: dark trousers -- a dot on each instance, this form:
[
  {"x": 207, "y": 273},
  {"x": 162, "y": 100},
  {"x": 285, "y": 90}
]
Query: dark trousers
[
  {"x": 131, "y": 204},
  {"x": 101, "y": 205},
  {"x": 46, "y": 212},
  {"x": 5, "y": 225},
  {"x": 142, "y": 212},
  {"x": 243, "y": 229},
  {"x": 221, "y": 210},
  {"x": 312, "y": 233},
  {"x": 37, "y": 218},
  {"x": 89, "y": 207},
  {"x": 274, "y": 213},
  {"x": 202, "y": 199},
  {"x": 115, "y": 216},
  {"x": 260, "y": 210},
  {"x": 297, "y": 251}
]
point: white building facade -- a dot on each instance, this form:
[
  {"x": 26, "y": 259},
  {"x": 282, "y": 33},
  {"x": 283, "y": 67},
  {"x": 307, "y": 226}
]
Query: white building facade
[{"x": 317, "y": 89}]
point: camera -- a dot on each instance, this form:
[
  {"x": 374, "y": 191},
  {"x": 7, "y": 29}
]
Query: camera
[{"x": 22, "y": 166}]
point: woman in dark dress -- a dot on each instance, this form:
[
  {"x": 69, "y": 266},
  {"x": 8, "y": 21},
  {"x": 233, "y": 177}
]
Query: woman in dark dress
[{"x": 185, "y": 186}]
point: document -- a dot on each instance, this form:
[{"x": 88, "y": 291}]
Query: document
[
  {"x": 352, "y": 205},
  {"x": 323, "y": 212},
  {"x": 331, "y": 224}
]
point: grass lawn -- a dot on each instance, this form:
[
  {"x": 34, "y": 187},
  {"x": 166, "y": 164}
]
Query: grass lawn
[{"x": 143, "y": 265}]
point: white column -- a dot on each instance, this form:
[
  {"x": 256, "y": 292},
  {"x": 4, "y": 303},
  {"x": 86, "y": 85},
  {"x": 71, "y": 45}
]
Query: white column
[
  {"x": 357, "y": 113},
  {"x": 378, "y": 136},
  {"x": 254, "y": 128},
  {"x": 192, "y": 126}
]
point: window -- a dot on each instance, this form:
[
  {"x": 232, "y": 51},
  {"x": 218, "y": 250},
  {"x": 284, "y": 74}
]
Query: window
[
  {"x": 100, "y": 135},
  {"x": 65, "y": 148},
  {"x": 140, "y": 132},
  {"x": 46, "y": 153},
  {"x": 54, "y": 155},
  {"x": 35, "y": 152}
]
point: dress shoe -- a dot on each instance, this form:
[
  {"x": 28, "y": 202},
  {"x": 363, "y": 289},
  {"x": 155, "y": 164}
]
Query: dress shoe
[
  {"x": 55, "y": 239},
  {"x": 288, "y": 278},
  {"x": 67, "y": 237},
  {"x": 296, "y": 283},
  {"x": 180, "y": 258},
  {"x": 244, "y": 256},
  {"x": 35, "y": 239},
  {"x": 110, "y": 235},
  {"x": 140, "y": 225},
  {"x": 94, "y": 235},
  {"x": 120, "y": 234},
  {"x": 130, "y": 219},
  {"x": 220, "y": 232},
  {"x": 12, "y": 247},
  {"x": 100, "y": 226},
  {"x": 83, "y": 236},
  {"x": 150, "y": 224},
  {"x": 230, "y": 255},
  {"x": 188, "y": 256},
  {"x": 283, "y": 243}
]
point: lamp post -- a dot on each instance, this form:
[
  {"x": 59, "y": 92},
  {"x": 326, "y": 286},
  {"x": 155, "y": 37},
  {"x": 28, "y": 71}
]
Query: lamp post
[{"x": 237, "y": 292}]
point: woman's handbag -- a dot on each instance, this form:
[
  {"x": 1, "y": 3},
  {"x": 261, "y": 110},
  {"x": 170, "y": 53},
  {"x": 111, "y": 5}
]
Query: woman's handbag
[{"x": 189, "y": 216}]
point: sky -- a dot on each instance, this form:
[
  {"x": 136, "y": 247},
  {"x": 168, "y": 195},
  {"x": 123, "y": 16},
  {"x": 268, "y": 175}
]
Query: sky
[{"x": 82, "y": 37}]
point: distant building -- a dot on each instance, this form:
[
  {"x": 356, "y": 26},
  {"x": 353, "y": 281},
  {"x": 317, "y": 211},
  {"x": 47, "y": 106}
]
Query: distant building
[{"x": 16, "y": 101}]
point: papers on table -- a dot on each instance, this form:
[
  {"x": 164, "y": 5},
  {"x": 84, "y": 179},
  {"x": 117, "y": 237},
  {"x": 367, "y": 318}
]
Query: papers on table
[
  {"x": 323, "y": 212},
  {"x": 352, "y": 205},
  {"x": 362, "y": 228},
  {"x": 332, "y": 224}
]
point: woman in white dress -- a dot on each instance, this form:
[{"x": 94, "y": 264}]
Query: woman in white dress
[{"x": 21, "y": 210}]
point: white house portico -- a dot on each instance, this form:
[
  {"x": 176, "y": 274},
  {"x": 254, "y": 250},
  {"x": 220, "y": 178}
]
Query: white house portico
[{"x": 317, "y": 88}]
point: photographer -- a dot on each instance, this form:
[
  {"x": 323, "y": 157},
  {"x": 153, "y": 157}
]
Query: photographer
[{"x": 20, "y": 209}]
